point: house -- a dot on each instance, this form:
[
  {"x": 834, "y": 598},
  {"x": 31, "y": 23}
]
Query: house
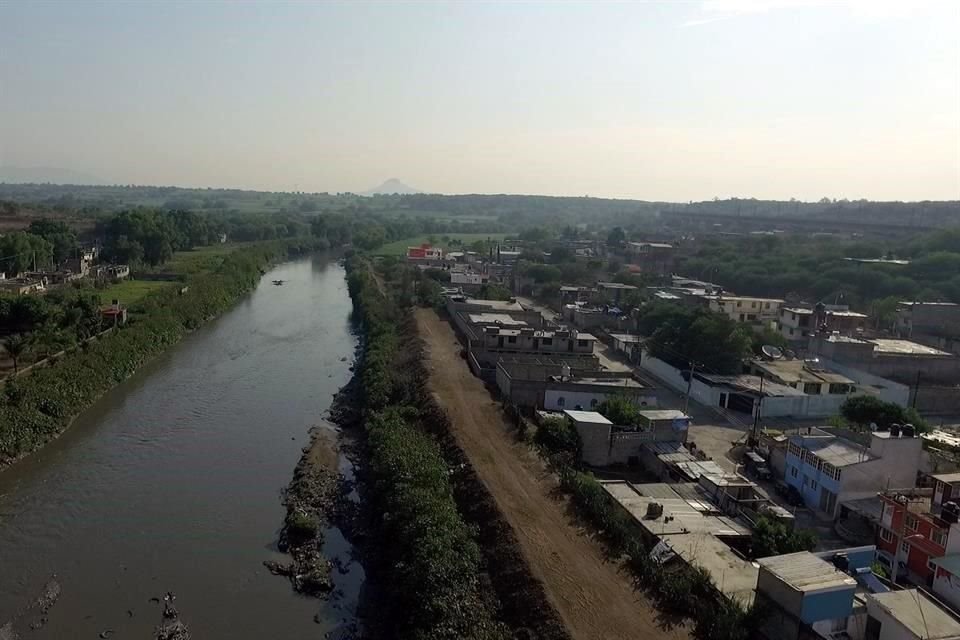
[
  {"x": 557, "y": 383},
  {"x": 572, "y": 294},
  {"x": 655, "y": 258},
  {"x": 613, "y": 291},
  {"x": 828, "y": 470},
  {"x": 797, "y": 323},
  {"x": 895, "y": 358},
  {"x": 946, "y": 580},
  {"x": 586, "y": 316},
  {"x": 908, "y": 615},
  {"x": 806, "y": 375},
  {"x": 762, "y": 312},
  {"x": 911, "y": 537},
  {"x": 835, "y": 596},
  {"x": 684, "y": 527},
  {"x": 605, "y": 443},
  {"x": 21, "y": 286},
  {"x": 424, "y": 252},
  {"x": 469, "y": 280},
  {"x": 111, "y": 272},
  {"x": 806, "y": 595},
  {"x": 628, "y": 344},
  {"x": 935, "y": 324},
  {"x": 115, "y": 314}
]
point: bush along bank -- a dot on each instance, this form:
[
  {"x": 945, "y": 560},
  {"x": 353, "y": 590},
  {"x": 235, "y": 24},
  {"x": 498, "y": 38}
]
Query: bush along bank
[
  {"x": 430, "y": 563},
  {"x": 38, "y": 407},
  {"x": 682, "y": 592}
]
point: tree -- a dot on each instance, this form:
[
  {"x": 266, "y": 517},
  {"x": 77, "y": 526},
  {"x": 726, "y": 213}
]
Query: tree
[
  {"x": 16, "y": 347},
  {"x": 772, "y": 538},
  {"x": 494, "y": 292},
  {"x": 619, "y": 410},
  {"x": 58, "y": 234},
  {"x": 766, "y": 336},
  {"x": 20, "y": 251},
  {"x": 616, "y": 237},
  {"x": 865, "y": 410}
]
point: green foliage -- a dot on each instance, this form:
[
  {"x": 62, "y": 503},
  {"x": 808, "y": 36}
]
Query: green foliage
[
  {"x": 771, "y": 538},
  {"x": 764, "y": 337},
  {"x": 58, "y": 234},
  {"x": 679, "y": 334},
  {"x": 20, "y": 251},
  {"x": 433, "y": 561},
  {"x": 494, "y": 292},
  {"x": 558, "y": 437},
  {"x": 863, "y": 410},
  {"x": 619, "y": 410}
]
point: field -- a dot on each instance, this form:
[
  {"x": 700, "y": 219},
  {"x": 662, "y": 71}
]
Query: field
[
  {"x": 198, "y": 260},
  {"x": 129, "y": 292},
  {"x": 399, "y": 247}
]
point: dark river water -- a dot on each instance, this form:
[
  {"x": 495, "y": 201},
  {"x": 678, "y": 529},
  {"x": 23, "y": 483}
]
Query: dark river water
[{"x": 172, "y": 481}]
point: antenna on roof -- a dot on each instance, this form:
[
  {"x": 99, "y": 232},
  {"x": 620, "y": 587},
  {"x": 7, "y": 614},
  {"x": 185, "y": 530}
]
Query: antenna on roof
[{"x": 771, "y": 352}]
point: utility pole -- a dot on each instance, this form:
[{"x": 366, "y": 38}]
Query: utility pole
[
  {"x": 686, "y": 400},
  {"x": 916, "y": 391},
  {"x": 756, "y": 416}
]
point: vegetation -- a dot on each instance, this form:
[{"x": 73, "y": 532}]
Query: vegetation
[
  {"x": 681, "y": 335},
  {"x": 814, "y": 269},
  {"x": 619, "y": 410},
  {"x": 772, "y": 538},
  {"x": 558, "y": 438},
  {"x": 433, "y": 560},
  {"x": 865, "y": 410},
  {"x": 447, "y": 241}
]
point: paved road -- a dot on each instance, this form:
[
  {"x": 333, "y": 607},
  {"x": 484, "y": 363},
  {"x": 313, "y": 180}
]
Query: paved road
[{"x": 594, "y": 598}]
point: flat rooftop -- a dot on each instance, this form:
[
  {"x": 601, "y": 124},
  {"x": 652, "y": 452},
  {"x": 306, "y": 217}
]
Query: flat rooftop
[
  {"x": 905, "y": 347},
  {"x": 751, "y": 384},
  {"x": 615, "y": 285},
  {"x": 663, "y": 414},
  {"x": 734, "y": 576},
  {"x": 497, "y": 305},
  {"x": 833, "y": 450},
  {"x": 918, "y": 613},
  {"x": 948, "y": 478},
  {"x": 804, "y": 571},
  {"x": 623, "y": 383},
  {"x": 591, "y": 417},
  {"x": 627, "y": 337},
  {"x": 684, "y": 516},
  {"x": 800, "y": 371},
  {"x": 495, "y": 318}
]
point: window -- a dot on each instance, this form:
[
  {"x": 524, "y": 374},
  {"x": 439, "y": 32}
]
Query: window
[
  {"x": 930, "y": 564},
  {"x": 739, "y": 304},
  {"x": 582, "y": 343},
  {"x": 912, "y": 522},
  {"x": 512, "y": 339},
  {"x": 753, "y": 304},
  {"x": 593, "y": 403},
  {"x": 766, "y": 305},
  {"x": 793, "y": 472},
  {"x": 751, "y": 316},
  {"x": 905, "y": 548},
  {"x": 813, "y": 484},
  {"x": 939, "y": 537},
  {"x": 741, "y": 315},
  {"x": 886, "y": 535},
  {"x": 828, "y": 469},
  {"x": 836, "y": 474},
  {"x": 794, "y": 449},
  {"x": 561, "y": 401}
]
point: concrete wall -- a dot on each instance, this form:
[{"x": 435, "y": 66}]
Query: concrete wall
[
  {"x": 596, "y": 443},
  {"x": 829, "y": 605},
  {"x": 937, "y": 400},
  {"x": 947, "y": 587},
  {"x": 889, "y": 390},
  {"x": 703, "y": 393}
]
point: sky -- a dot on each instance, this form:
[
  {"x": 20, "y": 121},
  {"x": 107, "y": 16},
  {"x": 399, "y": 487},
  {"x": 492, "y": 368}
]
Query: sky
[{"x": 652, "y": 100}]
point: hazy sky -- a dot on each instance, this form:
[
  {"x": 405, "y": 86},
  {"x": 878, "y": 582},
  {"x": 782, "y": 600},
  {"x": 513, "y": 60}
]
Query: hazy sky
[{"x": 677, "y": 101}]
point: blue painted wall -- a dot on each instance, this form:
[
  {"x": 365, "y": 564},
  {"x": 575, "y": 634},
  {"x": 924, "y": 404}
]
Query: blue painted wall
[
  {"x": 811, "y": 495},
  {"x": 827, "y": 606}
]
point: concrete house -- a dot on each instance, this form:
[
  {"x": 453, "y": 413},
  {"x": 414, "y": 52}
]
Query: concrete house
[
  {"x": 828, "y": 470},
  {"x": 605, "y": 443}
]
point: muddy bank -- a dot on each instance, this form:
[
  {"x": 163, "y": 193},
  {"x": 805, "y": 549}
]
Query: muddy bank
[{"x": 311, "y": 501}]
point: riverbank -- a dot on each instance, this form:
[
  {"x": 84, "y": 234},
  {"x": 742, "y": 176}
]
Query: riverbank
[
  {"x": 452, "y": 565},
  {"x": 37, "y": 408}
]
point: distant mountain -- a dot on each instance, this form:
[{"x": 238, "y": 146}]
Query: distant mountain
[
  {"x": 390, "y": 187},
  {"x": 44, "y": 175}
]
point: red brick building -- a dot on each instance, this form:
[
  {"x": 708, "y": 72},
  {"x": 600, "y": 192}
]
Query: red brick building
[{"x": 910, "y": 534}]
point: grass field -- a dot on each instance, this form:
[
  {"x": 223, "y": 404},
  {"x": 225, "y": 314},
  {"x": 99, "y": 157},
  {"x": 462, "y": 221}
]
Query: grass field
[
  {"x": 129, "y": 292},
  {"x": 198, "y": 260},
  {"x": 399, "y": 247}
]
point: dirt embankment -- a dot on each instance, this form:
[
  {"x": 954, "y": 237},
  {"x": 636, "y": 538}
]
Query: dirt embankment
[
  {"x": 310, "y": 499},
  {"x": 593, "y": 596}
]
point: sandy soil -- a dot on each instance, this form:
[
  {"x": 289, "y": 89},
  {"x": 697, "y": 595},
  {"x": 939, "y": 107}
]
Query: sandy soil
[{"x": 593, "y": 597}]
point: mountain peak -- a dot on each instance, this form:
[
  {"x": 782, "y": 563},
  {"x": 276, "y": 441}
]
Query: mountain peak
[{"x": 391, "y": 187}]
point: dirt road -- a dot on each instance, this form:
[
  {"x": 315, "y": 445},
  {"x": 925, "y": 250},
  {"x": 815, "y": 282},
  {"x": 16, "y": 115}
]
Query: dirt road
[{"x": 593, "y": 598}]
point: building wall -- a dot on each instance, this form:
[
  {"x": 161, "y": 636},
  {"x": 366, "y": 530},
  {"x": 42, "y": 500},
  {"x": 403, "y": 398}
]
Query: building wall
[
  {"x": 827, "y": 605},
  {"x": 596, "y": 443},
  {"x": 947, "y": 587},
  {"x": 589, "y": 398},
  {"x": 886, "y": 390},
  {"x": 811, "y": 482},
  {"x": 803, "y": 406}
]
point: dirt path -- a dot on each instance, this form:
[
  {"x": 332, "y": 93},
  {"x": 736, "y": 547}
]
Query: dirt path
[{"x": 593, "y": 598}]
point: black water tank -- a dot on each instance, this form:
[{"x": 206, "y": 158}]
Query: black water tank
[
  {"x": 841, "y": 561},
  {"x": 908, "y": 431},
  {"x": 895, "y": 430},
  {"x": 950, "y": 512}
]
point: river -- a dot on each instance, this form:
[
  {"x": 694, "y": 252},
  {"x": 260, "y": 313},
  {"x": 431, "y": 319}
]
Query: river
[{"x": 172, "y": 481}]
